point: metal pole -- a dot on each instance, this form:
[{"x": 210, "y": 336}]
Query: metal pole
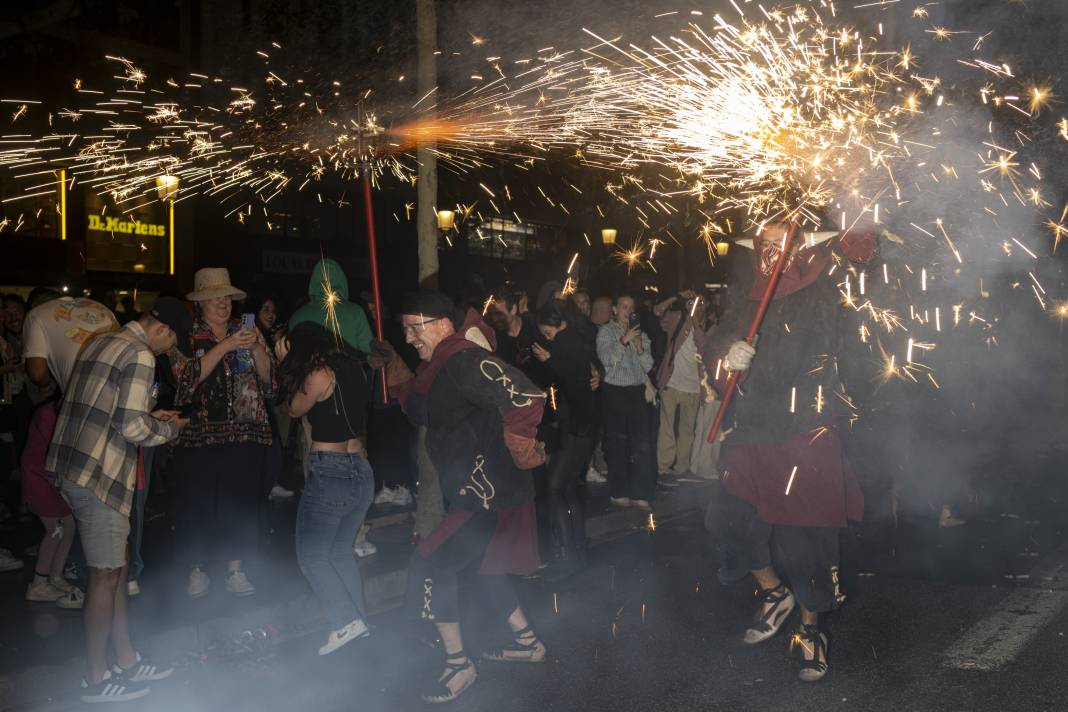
[{"x": 369, "y": 213}]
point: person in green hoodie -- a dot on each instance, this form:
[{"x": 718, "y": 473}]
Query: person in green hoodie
[{"x": 328, "y": 277}]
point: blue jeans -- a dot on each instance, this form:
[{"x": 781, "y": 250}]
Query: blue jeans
[
  {"x": 137, "y": 519},
  {"x": 336, "y": 498}
]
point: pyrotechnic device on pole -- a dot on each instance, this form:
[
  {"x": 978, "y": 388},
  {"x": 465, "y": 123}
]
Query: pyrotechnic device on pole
[{"x": 754, "y": 327}]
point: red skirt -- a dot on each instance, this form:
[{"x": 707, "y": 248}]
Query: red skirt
[
  {"x": 42, "y": 498},
  {"x": 513, "y": 549},
  {"x": 821, "y": 492}
]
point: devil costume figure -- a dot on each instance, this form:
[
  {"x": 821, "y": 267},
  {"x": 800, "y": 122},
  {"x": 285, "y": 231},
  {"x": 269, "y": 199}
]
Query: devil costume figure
[
  {"x": 787, "y": 490},
  {"x": 481, "y": 416}
]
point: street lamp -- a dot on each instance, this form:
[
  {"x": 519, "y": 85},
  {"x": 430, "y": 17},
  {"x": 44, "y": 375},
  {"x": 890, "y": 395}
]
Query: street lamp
[
  {"x": 167, "y": 190},
  {"x": 608, "y": 236},
  {"x": 446, "y": 220}
]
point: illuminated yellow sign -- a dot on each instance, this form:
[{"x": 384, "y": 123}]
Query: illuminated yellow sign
[{"x": 128, "y": 227}]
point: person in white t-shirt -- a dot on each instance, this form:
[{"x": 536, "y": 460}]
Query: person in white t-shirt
[{"x": 56, "y": 331}]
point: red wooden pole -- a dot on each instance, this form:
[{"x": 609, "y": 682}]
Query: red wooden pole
[
  {"x": 762, "y": 309},
  {"x": 369, "y": 213}
]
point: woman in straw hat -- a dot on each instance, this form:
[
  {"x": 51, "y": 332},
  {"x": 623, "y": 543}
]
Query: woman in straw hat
[{"x": 225, "y": 386}]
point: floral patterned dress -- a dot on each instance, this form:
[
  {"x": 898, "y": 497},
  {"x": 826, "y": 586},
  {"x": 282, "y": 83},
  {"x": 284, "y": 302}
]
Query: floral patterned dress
[{"x": 230, "y": 406}]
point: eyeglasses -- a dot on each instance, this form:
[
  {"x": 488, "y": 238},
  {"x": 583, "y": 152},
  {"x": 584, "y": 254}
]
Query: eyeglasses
[{"x": 412, "y": 329}]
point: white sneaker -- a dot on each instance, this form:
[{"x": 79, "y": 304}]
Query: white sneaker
[
  {"x": 595, "y": 477},
  {"x": 9, "y": 562},
  {"x": 71, "y": 601},
  {"x": 198, "y": 583},
  {"x": 401, "y": 496},
  {"x": 641, "y": 504},
  {"x": 336, "y": 639},
  {"x": 619, "y": 501},
  {"x": 384, "y": 496},
  {"x": 113, "y": 688},
  {"x": 238, "y": 584},
  {"x": 43, "y": 591},
  {"x": 133, "y": 588},
  {"x": 62, "y": 584},
  {"x": 364, "y": 549},
  {"x": 280, "y": 492}
]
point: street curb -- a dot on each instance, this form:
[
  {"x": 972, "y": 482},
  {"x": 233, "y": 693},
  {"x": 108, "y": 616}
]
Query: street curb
[{"x": 47, "y": 687}]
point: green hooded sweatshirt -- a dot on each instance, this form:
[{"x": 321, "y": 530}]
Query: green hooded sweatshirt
[{"x": 351, "y": 320}]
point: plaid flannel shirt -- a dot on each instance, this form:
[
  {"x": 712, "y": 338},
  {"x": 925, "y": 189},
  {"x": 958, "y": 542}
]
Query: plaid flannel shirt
[{"x": 105, "y": 416}]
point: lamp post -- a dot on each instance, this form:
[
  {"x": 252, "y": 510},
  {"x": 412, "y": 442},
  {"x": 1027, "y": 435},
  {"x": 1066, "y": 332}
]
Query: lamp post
[{"x": 167, "y": 190}]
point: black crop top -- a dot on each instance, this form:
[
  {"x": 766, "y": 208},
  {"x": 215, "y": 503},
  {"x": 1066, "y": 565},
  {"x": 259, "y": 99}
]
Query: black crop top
[{"x": 343, "y": 415}]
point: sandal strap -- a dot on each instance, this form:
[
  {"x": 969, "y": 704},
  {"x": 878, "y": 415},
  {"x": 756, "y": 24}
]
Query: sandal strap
[
  {"x": 812, "y": 634},
  {"x": 774, "y": 596},
  {"x": 522, "y": 632}
]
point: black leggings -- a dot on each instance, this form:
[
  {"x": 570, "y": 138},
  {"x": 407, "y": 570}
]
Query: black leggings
[
  {"x": 434, "y": 581},
  {"x": 806, "y": 557},
  {"x": 566, "y": 467}
]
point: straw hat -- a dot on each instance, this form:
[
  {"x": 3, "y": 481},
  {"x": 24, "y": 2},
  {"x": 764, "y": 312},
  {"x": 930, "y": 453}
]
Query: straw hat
[{"x": 213, "y": 282}]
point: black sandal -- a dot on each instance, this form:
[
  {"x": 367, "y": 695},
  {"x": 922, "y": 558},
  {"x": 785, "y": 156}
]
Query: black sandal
[
  {"x": 525, "y": 643},
  {"x": 809, "y": 637},
  {"x": 766, "y": 624},
  {"x": 438, "y": 692}
]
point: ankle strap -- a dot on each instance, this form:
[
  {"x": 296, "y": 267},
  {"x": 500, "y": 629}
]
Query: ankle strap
[
  {"x": 458, "y": 655},
  {"x": 523, "y": 632}
]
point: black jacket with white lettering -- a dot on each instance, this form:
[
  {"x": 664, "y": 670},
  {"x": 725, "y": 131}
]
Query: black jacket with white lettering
[{"x": 481, "y": 416}]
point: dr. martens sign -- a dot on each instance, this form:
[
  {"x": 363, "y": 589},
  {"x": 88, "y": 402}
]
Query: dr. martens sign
[{"x": 128, "y": 227}]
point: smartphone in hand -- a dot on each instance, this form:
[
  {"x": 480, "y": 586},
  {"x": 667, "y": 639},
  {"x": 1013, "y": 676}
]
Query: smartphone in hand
[{"x": 248, "y": 320}]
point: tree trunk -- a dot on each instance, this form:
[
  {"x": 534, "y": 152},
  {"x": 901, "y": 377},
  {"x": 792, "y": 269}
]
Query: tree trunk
[{"x": 426, "y": 27}]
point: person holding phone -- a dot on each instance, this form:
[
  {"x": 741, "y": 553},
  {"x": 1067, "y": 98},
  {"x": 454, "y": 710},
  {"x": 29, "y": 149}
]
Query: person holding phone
[
  {"x": 224, "y": 384},
  {"x": 625, "y": 351}
]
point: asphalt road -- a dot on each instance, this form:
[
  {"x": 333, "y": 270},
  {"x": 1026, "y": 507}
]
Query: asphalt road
[{"x": 647, "y": 627}]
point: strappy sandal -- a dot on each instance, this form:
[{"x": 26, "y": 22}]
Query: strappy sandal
[
  {"x": 438, "y": 691},
  {"x": 526, "y": 648},
  {"x": 808, "y": 638},
  {"x": 767, "y": 623}
]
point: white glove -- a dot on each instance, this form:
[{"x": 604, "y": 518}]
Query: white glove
[{"x": 740, "y": 356}]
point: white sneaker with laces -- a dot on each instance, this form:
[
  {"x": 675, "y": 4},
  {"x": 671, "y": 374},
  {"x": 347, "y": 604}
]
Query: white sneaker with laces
[
  {"x": 401, "y": 496},
  {"x": 595, "y": 477},
  {"x": 384, "y": 496},
  {"x": 8, "y": 562},
  {"x": 280, "y": 492},
  {"x": 238, "y": 584},
  {"x": 353, "y": 631},
  {"x": 198, "y": 583},
  {"x": 43, "y": 592},
  {"x": 364, "y": 549}
]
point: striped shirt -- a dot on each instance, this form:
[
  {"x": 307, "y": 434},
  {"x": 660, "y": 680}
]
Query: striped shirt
[
  {"x": 105, "y": 416},
  {"x": 623, "y": 365}
]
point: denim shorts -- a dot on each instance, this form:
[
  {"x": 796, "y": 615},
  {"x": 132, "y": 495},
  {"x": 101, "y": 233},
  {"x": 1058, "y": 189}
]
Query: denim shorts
[{"x": 103, "y": 529}]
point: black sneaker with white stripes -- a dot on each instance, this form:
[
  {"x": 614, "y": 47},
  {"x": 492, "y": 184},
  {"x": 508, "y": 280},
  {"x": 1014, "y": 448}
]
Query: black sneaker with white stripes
[
  {"x": 113, "y": 688},
  {"x": 143, "y": 671}
]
